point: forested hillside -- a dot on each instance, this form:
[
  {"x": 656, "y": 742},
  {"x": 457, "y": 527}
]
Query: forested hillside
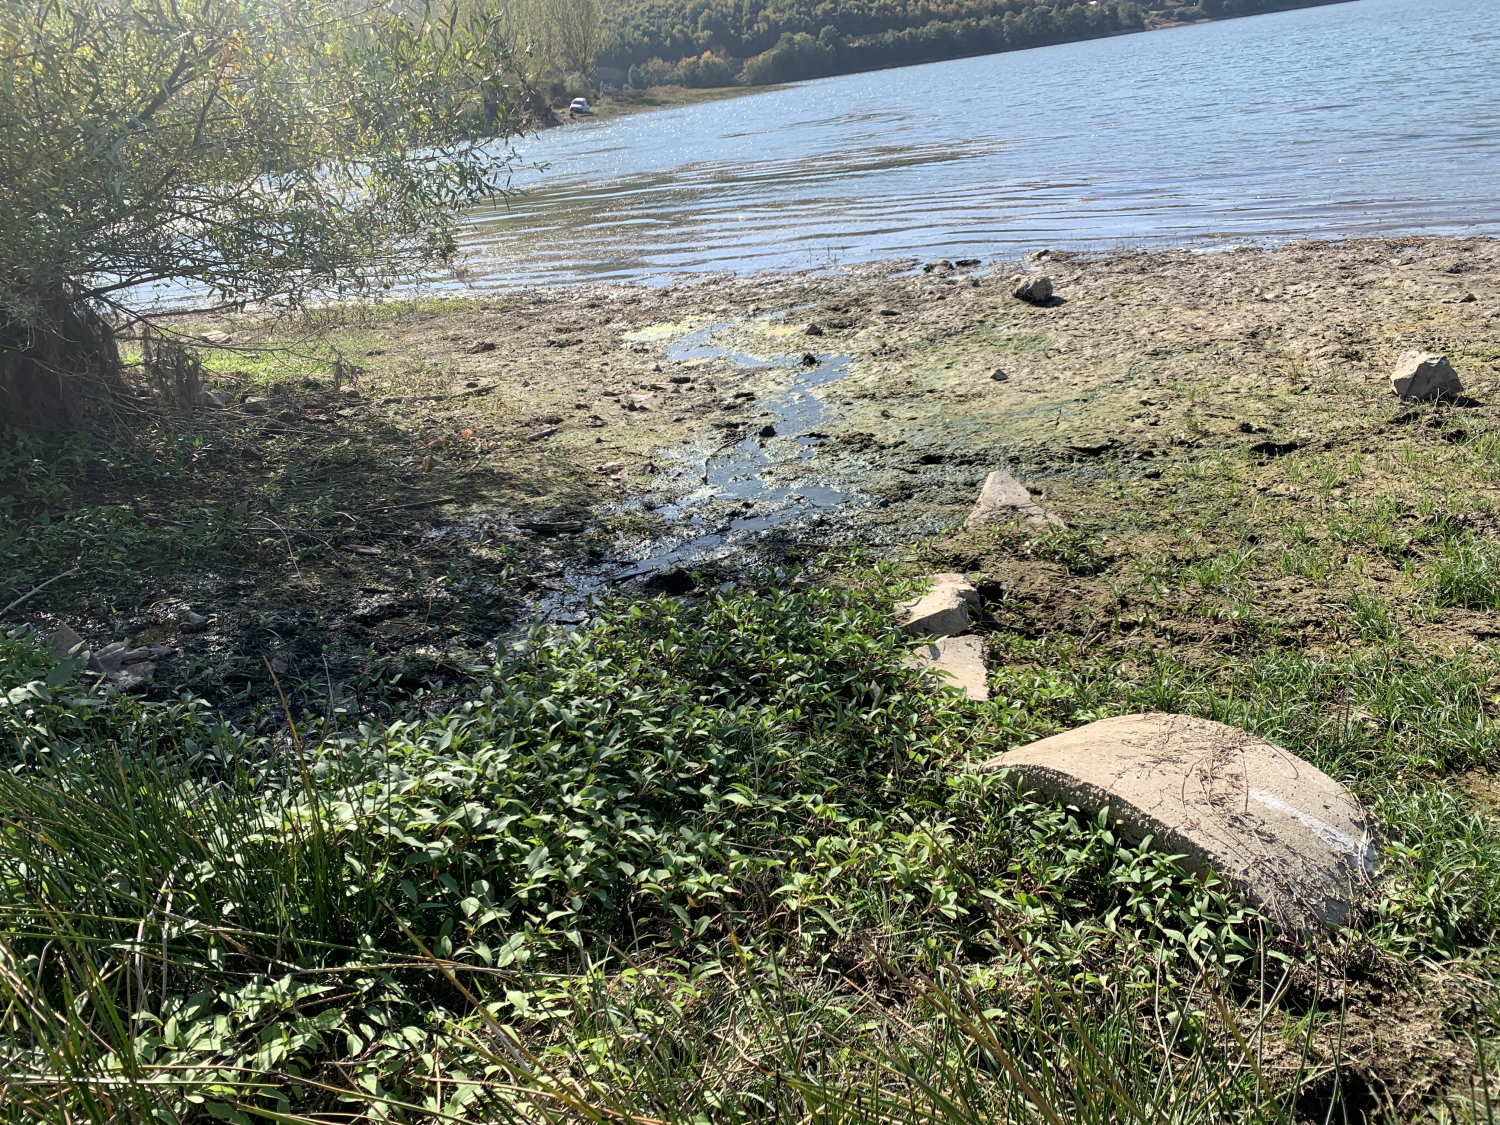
[{"x": 719, "y": 42}]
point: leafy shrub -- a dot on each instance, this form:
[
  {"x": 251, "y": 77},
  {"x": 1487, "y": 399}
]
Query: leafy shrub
[{"x": 749, "y": 785}]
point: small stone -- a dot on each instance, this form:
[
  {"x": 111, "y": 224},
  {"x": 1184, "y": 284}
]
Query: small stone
[
  {"x": 191, "y": 622},
  {"x": 941, "y": 612},
  {"x": 542, "y": 435},
  {"x": 213, "y": 400},
  {"x": 999, "y": 376},
  {"x": 681, "y": 379},
  {"x": 254, "y": 406},
  {"x": 956, "y": 662},
  {"x": 810, "y": 360},
  {"x": 218, "y": 339},
  {"x": 479, "y": 347},
  {"x": 966, "y": 263},
  {"x": 1291, "y": 839},
  {"x": 1034, "y": 290},
  {"x": 1425, "y": 377},
  {"x": 133, "y": 676},
  {"x": 814, "y": 330},
  {"x": 766, "y": 431},
  {"x": 639, "y": 402}
]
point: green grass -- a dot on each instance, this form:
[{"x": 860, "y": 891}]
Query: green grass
[{"x": 720, "y": 861}]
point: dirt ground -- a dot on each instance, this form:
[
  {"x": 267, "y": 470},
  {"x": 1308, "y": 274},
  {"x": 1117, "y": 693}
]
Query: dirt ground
[{"x": 388, "y": 491}]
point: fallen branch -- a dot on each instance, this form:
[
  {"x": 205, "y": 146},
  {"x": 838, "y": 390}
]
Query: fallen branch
[{"x": 29, "y": 594}]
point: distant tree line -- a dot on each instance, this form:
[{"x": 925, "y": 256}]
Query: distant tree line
[{"x": 757, "y": 42}]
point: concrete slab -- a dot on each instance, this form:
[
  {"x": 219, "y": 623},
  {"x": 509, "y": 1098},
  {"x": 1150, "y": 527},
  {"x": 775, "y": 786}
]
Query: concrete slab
[
  {"x": 955, "y": 662},
  {"x": 941, "y": 612},
  {"x": 1289, "y": 838},
  {"x": 1002, "y": 498}
]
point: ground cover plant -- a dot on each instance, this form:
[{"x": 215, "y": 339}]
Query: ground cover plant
[
  {"x": 721, "y": 861},
  {"x": 720, "y": 857}
]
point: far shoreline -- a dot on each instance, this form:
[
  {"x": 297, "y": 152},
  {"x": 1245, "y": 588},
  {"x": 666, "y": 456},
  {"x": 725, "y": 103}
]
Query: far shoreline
[{"x": 624, "y": 103}]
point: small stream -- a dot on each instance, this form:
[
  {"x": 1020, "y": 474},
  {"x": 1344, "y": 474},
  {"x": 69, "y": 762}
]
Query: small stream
[
  {"x": 735, "y": 497},
  {"x": 757, "y": 470}
]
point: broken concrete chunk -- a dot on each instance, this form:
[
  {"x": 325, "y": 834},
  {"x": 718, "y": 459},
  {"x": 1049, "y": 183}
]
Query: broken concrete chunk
[
  {"x": 956, "y": 662},
  {"x": 1288, "y": 837},
  {"x": 1034, "y": 289},
  {"x": 1003, "y": 498},
  {"x": 1425, "y": 377},
  {"x": 941, "y": 612}
]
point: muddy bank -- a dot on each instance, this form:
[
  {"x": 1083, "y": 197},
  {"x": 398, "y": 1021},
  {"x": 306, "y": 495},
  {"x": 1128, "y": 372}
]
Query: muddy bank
[{"x": 479, "y": 465}]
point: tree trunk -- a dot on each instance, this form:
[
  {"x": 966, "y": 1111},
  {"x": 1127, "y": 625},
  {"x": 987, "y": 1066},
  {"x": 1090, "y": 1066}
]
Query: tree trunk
[{"x": 55, "y": 376}]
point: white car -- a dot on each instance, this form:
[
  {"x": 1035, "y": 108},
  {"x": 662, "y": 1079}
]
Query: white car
[{"x": 580, "y": 106}]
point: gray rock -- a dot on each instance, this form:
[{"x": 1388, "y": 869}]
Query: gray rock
[
  {"x": 814, "y": 330},
  {"x": 1034, "y": 289},
  {"x": 254, "y": 406},
  {"x": 1425, "y": 377},
  {"x": 955, "y": 662},
  {"x": 941, "y": 612},
  {"x": 212, "y": 400},
  {"x": 64, "y": 644},
  {"x": 219, "y": 339},
  {"x": 639, "y": 402},
  {"x": 1287, "y": 836},
  {"x": 133, "y": 676},
  {"x": 1005, "y": 498},
  {"x": 191, "y": 622}
]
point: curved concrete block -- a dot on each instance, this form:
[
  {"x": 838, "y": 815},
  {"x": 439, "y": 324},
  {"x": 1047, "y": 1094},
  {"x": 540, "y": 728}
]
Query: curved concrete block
[{"x": 1286, "y": 835}]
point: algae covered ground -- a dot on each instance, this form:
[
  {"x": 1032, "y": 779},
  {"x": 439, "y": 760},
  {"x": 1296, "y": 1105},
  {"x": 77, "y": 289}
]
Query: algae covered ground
[{"x": 547, "y": 754}]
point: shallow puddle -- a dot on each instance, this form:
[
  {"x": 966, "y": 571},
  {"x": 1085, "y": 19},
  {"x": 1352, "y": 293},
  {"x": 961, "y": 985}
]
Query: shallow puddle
[{"x": 723, "y": 495}]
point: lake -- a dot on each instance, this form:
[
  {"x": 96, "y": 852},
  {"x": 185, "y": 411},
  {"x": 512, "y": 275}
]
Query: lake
[{"x": 1363, "y": 118}]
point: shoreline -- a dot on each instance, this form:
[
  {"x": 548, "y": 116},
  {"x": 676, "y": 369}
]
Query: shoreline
[
  {"x": 717, "y": 93},
  {"x": 557, "y": 428},
  {"x": 616, "y": 105}
]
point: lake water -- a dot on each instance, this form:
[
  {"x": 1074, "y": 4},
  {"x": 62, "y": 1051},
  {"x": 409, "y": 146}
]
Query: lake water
[{"x": 1362, "y": 118}]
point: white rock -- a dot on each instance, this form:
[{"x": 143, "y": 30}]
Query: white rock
[
  {"x": 1284, "y": 834},
  {"x": 955, "y": 662},
  {"x": 1002, "y": 498},
  {"x": 941, "y": 612},
  {"x": 1425, "y": 377}
]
